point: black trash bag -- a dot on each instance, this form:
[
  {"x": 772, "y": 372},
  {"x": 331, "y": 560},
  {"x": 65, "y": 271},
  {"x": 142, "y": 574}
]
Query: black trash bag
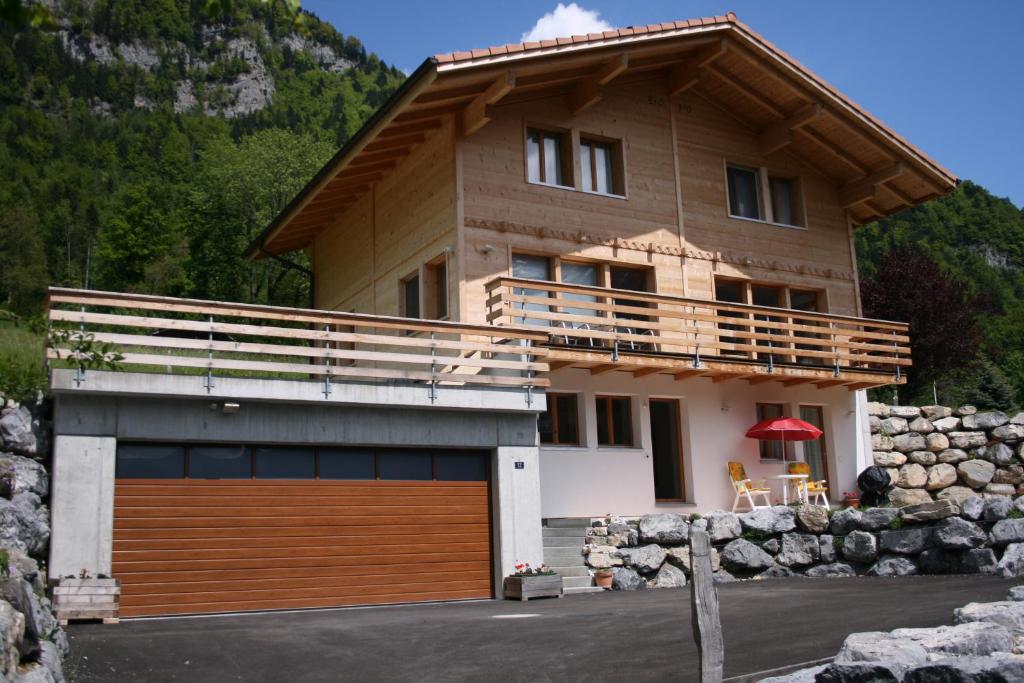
[
  {"x": 871, "y": 500},
  {"x": 873, "y": 480}
]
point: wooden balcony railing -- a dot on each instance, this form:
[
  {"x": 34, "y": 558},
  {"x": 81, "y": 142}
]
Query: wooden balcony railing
[
  {"x": 641, "y": 325},
  {"x": 209, "y": 338}
]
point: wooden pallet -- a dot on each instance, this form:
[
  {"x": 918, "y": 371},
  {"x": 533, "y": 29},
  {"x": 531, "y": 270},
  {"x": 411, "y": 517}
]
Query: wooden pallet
[{"x": 86, "y": 600}]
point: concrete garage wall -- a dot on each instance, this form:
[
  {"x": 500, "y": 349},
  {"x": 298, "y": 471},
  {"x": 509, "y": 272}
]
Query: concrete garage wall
[{"x": 89, "y": 426}]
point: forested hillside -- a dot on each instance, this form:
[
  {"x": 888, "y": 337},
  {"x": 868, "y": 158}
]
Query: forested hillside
[{"x": 144, "y": 142}]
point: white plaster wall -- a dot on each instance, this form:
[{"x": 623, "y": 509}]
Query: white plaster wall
[
  {"x": 82, "y": 505},
  {"x": 517, "y": 509},
  {"x": 596, "y": 481}
]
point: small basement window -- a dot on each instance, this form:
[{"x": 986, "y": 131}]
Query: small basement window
[
  {"x": 601, "y": 166},
  {"x": 744, "y": 192},
  {"x": 548, "y": 158}
]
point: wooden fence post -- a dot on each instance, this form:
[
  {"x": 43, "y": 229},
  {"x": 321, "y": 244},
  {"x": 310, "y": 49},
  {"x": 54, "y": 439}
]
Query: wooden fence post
[{"x": 707, "y": 627}]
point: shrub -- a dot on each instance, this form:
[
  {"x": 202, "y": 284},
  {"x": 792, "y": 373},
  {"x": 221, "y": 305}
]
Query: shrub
[{"x": 22, "y": 368}]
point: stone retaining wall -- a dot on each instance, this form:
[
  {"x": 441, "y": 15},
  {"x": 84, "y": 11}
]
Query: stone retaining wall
[
  {"x": 977, "y": 536},
  {"x": 32, "y": 643},
  {"x": 934, "y": 452}
]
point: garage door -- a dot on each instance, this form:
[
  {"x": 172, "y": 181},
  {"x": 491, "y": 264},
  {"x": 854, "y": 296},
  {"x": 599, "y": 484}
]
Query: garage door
[{"x": 200, "y": 528}]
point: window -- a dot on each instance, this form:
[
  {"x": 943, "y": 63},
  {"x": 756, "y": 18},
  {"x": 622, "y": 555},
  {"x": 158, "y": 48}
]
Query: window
[
  {"x": 219, "y": 462},
  {"x": 579, "y": 274},
  {"x": 666, "y": 450},
  {"x": 768, "y": 295},
  {"x": 411, "y": 296},
  {"x": 547, "y": 158},
  {"x": 347, "y": 463},
  {"x": 777, "y": 451},
  {"x": 785, "y": 205},
  {"x": 285, "y": 463},
  {"x": 435, "y": 293},
  {"x": 532, "y": 268},
  {"x": 601, "y": 167},
  {"x": 744, "y": 192},
  {"x": 408, "y": 465},
  {"x": 733, "y": 292},
  {"x": 470, "y": 466},
  {"x": 814, "y": 450},
  {"x": 559, "y": 425},
  {"x": 150, "y": 461},
  {"x": 614, "y": 421}
]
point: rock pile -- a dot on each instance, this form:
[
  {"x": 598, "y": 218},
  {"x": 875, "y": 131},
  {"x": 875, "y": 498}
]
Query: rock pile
[
  {"x": 937, "y": 453},
  {"x": 983, "y": 644},
  {"x": 978, "y": 536},
  {"x": 31, "y": 641}
]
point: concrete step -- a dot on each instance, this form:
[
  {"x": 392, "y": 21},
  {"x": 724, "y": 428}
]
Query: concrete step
[
  {"x": 563, "y": 557},
  {"x": 564, "y": 542},
  {"x": 563, "y": 532},
  {"x": 582, "y": 589},
  {"x": 567, "y": 523},
  {"x": 577, "y": 581},
  {"x": 571, "y": 571}
]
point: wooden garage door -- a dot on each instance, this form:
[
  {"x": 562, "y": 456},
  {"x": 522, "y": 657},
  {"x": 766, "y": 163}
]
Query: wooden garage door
[{"x": 187, "y": 545}]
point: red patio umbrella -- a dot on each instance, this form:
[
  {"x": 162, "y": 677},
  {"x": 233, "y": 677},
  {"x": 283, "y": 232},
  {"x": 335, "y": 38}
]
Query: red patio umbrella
[{"x": 784, "y": 429}]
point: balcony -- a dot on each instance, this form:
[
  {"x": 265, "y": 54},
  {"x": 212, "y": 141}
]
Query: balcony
[
  {"x": 607, "y": 330},
  {"x": 127, "y": 343}
]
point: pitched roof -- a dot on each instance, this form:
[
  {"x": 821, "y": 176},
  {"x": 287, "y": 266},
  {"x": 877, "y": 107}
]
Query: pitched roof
[{"x": 847, "y": 144}]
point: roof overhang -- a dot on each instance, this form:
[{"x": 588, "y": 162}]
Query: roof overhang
[{"x": 792, "y": 111}]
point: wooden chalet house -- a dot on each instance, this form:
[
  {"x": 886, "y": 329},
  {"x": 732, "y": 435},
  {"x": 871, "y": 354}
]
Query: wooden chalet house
[{"x": 551, "y": 280}]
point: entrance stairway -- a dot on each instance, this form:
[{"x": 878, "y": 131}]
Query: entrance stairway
[{"x": 563, "y": 553}]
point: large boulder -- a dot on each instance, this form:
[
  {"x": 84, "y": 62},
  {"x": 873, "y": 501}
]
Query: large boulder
[
  {"x": 972, "y": 507},
  {"x": 827, "y": 548},
  {"x": 891, "y": 426},
  {"x": 936, "y": 412},
  {"x": 921, "y": 426},
  {"x": 664, "y": 528},
  {"x": 967, "y": 669},
  {"x": 947, "y": 424},
  {"x": 952, "y": 456},
  {"x": 968, "y": 638},
  {"x": 940, "y": 476},
  {"x": 876, "y": 409},
  {"x": 912, "y": 476},
  {"x": 1012, "y": 563},
  {"x": 24, "y": 475},
  {"x": 19, "y": 432},
  {"x": 906, "y": 412},
  {"x": 881, "y": 442},
  {"x": 1000, "y": 490},
  {"x": 743, "y": 556},
  {"x": 976, "y": 473},
  {"x": 889, "y": 458},
  {"x": 12, "y": 631},
  {"x": 965, "y": 410},
  {"x": 1010, "y": 432},
  {"x": 997, "y": 453},
  {"x": 24, "y": 524},
  {"x": 893, "y": 565},
  {"x": 1016, "y": 594},
  {"x": 1008, "y": 531},
  {"x": 987, "y": 420},
  {"x": 669, "y": 576},
  {"x": 603, "y": 556},
  {"x": 877, "y": 646},
  {"x": 645, "y": 559},
  {"x": 876, "y": 519},
  {"x": 680, "y": 557},
  {"x": 936, "y": 442},
  {"x": 723, "y": 526},
  {"x": 626, "y": 579},
  {"x": 846, "y": 520},
  {"x": 904, "y": 497},
  {"x": 774, "y": 520},
  {"x": 905, "y": 443},
  {"x": 967, "y": 440},
  {"x": 830, "y": 570},
  {"x": 955, "y": 533},
  {"x": 1011, "y": 474},
  {"x": 861, "y": 672},
  {"x": 1007, "y": 613},
  {"x": 997, "y": 508},
  {"x": 905, "y": 541},
  {"x": 940, "y": 561},
  {"x": 930, "y": 511},
  {"x": 776, "y": 571},
  {"x": 812, "y": 518},
  {"x": 860, "y": 546},
  {"x": 979, "y": 561},
  {"x": 957, "y": 494},
  {"x": 926, "y": 458},
  {"x": 798, "y": 550}
]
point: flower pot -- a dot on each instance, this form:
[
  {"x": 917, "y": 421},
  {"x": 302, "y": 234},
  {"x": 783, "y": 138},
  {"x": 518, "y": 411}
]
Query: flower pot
[
  {"x": 604, "y": 579},
  {"x": 851, "y": 503},
  {"x": 537, "y": 586}
]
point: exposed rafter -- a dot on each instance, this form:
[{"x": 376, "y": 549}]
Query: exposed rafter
[
  {"x": 781, "y": 134},
  {"x": 475, "y": 115},
  {"x": 684, "y": 76},
  {"x": 748, "y": 91},
  {"x": 864, "y": 189},
  {"x": 588, "y": 93}
]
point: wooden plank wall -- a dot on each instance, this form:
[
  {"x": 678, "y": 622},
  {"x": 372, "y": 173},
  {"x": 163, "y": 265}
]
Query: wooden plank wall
[{"x": 405, "y": 221}]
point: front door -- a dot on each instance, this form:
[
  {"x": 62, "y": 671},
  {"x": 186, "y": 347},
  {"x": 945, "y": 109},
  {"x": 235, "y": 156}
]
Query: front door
[{"x": 666, "y": 450}]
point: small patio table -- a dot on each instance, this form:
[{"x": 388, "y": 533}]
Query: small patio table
[{"x": 787, "y": 481}]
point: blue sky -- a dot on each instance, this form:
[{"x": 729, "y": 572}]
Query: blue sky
[{"x": 946, "y": 75}]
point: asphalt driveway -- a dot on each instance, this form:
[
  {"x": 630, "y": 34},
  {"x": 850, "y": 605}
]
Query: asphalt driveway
[{"x": 595, "y": 637}]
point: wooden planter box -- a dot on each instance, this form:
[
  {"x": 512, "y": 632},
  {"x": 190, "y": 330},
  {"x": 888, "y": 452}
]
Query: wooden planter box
[
  {"x": 77, "y": 599},
  {"x": 526, "y": 587}
]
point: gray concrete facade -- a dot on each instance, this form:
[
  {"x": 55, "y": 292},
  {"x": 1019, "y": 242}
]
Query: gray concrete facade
[{"x": 91, "y": 418}]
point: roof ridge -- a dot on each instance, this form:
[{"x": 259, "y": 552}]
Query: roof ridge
[{"x": 527, "y": 46}]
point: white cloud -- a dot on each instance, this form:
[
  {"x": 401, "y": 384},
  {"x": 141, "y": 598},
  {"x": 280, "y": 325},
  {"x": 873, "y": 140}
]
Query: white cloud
[{"x": 566, "y": 20}]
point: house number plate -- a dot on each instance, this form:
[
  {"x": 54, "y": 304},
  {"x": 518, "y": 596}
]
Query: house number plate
[{"x": 520, "y": 465}]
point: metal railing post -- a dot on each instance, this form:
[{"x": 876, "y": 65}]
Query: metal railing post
[
  {"x": 79, "y": 368},
  {"x": 433, "y": 369},
  {"x": 327, "y": 363},
  {"x": 529, "y": 374},
  {"x": 208, "y": 380}
]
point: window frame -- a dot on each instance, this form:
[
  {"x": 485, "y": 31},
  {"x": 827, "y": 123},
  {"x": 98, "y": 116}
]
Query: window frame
[
  {"x": 553, "y": 410},
  {"x": 435, "y": 289},
  {"x": 788, "y": 453},
  {"x": 765, "y": 197},
  {"x": 617, "y": 187},
  {"x": 612, "y": 398},
  {"x": 566, "y": 161},
  {"x": 403, "y": 300}
]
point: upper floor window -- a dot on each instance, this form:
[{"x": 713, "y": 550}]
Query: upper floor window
[
  {"x": 411, "y": 296},
  {"x": 435, "y": 293},
  {"x": 747, "y": 187},
  {"x": 548, "y": 157},
  {"x": 601, "y": 166},
  {"x": 744, "y": 192}
]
